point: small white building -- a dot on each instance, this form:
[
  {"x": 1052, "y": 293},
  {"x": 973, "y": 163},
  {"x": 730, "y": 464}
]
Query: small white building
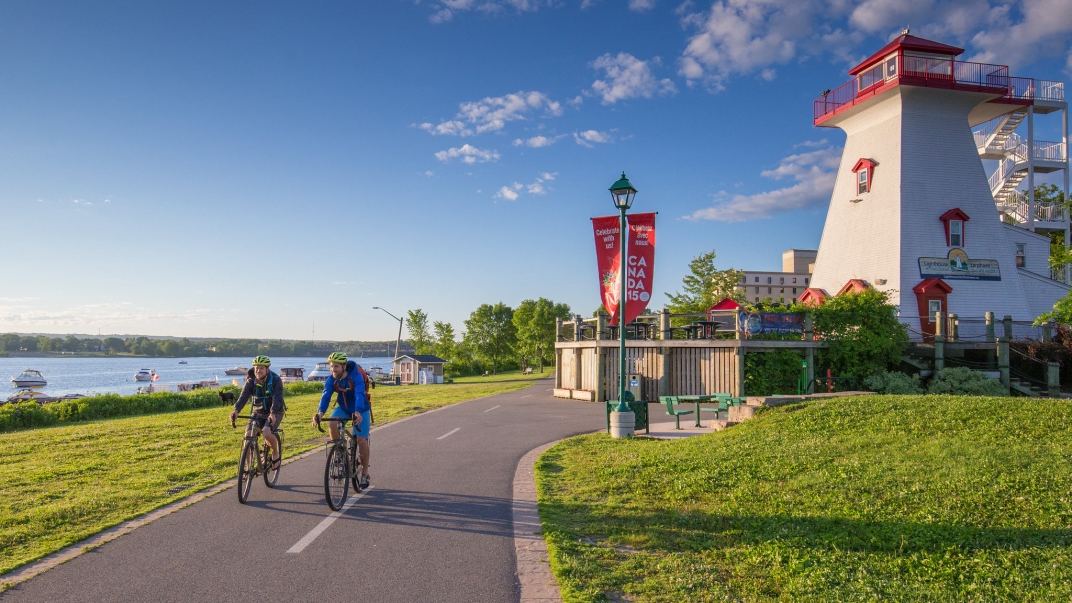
[
  {"x": 914, "y": 212},
  {"x": 419, "y": 369}
]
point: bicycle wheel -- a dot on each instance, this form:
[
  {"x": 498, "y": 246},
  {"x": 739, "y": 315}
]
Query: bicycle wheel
[
  {"x": 247, "y": 469},
  {"x": 355, "y": 464},
  {"x": 336, "y": 475},
  {"x": 271, "y": 475}
]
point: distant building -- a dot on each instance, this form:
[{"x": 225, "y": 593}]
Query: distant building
[
  {"x": 419, "y": 368},
  {"x": 784, "y": 286}
]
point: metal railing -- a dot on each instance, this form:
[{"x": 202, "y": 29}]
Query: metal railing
[{"x": 1049, "y": 90}]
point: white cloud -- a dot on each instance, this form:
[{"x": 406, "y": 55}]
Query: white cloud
[
  {"x": 736, "y": 37},
  {"x": 468, "y": 154},
  {"x": 537, "y": 141},
  {"x": 588, "y": 138},
  {"x": 814, "y": 173},
  {"x": 639, "y": 6},
  {"x": 492, "y": 113},
  {"x": 511, "y": 193},
  {"x": 576, "y": 101},
  {"x": 446, "y": 9},
  {"x": 429, "y": 173},
  {"x": 626, "y": 76},
  {"x": 507, "y": 193}
]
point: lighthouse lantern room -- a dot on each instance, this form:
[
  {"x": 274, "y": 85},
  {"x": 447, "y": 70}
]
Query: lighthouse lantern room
[{"x": 914, "y": 211}]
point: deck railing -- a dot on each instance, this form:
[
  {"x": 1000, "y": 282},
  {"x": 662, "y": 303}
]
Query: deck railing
[{"x": 942, "y": 72}]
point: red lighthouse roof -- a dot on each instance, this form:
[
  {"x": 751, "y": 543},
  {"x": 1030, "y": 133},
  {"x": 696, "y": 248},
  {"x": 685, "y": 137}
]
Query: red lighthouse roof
[{"x": 911, "y": 43}]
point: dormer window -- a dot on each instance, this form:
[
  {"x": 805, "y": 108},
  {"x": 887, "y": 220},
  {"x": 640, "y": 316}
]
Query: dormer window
[
  {"x": 953, "y": 221},
  {"x": 865, "y": 172},
  {"x": 956, "y": 233}
]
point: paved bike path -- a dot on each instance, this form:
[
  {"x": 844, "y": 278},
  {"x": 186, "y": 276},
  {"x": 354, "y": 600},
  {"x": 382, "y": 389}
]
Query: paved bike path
[{"x": 436, "y": 526}]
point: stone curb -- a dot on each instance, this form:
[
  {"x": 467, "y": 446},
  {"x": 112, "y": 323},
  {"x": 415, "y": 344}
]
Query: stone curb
[{"x": 533, "y": 568}]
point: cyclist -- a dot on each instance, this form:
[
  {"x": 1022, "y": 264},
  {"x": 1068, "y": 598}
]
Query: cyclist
[
  {"x": 351, "y": 403},
  {"x": 266, "y": 389}
]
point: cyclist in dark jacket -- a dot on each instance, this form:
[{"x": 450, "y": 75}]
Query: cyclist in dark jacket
[{"x": 266, "y": 389}]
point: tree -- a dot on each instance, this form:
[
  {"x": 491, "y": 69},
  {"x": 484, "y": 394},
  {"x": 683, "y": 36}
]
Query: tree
[
  {"x": 705, "y": 285},
  {"x": 445, "y": 346},
  {"x": 115, "y": 345},
  {"x": 535, "y": 324},
  {"x": 172, "y": 348},
  {"x": 862, "y": 331},
  {"x": 491, "y": 333},
  {"x": 417, "y": 325}
]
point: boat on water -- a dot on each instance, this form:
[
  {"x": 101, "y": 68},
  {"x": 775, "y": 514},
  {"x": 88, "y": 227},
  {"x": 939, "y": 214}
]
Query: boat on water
[
  {"x": 29, "y": 378},
  {"x": 320, "y": 372},
  {"x": 183, "y": 362},
  {"x": 145, "y": 375},
  {"x": 375, "y": 373},
  {"x": 292, "y": 375},
  {"x": 238, "y": 370},
  {"x": 27, "y": 395}
]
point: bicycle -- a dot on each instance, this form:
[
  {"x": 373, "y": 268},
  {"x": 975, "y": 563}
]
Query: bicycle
[
  {"x": 256, "y": 458},
  {"x": 341, "y": 468}
]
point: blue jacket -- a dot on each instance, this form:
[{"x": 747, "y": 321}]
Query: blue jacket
[{"x": 351, "y": 390}]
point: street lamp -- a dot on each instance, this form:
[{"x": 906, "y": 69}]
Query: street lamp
[
  {"x": 622, "y": 192},
  {"x": 397, "y": 341}
]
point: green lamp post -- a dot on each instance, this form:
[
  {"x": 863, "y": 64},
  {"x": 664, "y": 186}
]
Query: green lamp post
[{"x": 622, "y": 192}]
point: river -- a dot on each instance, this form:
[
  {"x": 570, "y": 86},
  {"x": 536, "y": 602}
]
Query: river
[{"x": 116, "y": 375}]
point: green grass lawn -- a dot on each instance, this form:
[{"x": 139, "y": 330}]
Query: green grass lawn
[
  {"x": 893, "y": 498},
  {"x": 548, "y": 373},
  {"x": 61, "y": 484}
]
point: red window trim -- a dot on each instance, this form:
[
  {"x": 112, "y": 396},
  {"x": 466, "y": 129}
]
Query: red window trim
[
  {"x": 861, "y": 164},
  {"x": 955, "y": 214}
]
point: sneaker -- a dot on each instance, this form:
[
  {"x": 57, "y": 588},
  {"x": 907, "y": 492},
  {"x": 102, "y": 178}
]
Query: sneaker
[{"x": 364, "y": 481}]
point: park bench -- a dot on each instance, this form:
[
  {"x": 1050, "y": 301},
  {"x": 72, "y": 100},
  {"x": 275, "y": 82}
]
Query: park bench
[
  {"x": 527, "y": 371},
  {"x": 669, "y": 401}
]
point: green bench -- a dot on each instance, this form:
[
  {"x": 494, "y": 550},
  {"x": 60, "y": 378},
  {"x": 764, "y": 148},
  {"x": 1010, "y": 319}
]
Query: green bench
[{"x": 670, "y": 401}]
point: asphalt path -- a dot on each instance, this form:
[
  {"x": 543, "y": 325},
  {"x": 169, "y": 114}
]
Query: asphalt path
[{"x": 435, "y": 526}]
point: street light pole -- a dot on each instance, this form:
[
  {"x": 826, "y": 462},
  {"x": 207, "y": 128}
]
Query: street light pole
[
  {"x": 399, "y": 339},
  {"x": 622, "y": 192}
]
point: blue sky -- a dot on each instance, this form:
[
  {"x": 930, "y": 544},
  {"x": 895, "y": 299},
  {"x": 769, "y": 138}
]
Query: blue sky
[{"x": 258, "y": 169}]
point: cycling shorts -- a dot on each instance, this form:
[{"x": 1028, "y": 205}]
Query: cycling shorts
[
  {"x": 361, "y": 429},
  {"x": 260, "y": 420}
]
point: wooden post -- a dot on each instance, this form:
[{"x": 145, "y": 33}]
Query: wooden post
[
  {"x": 1003, "y": 361},
  {"x": 954, "y": 328},
  {"x": 664, "y": 324},
  {"x": 601, "y": 373},
  {"x": 740, "y": 371},
  {"x": 1053, "y": 379},
  {"x": 558, "y": 329},
  {"x": 558, "y": 365},
  {"x": 990, "y": 337},
  {"x": 1007, "y": 323},
  {"x": 577, "y": 327},
  {"x": 601, "y": 327},
  {"x": 664, "y": 378},
  {"x": 939, "y": 352},
  {"x": 1047, "y": 332},
  {"x": 809, "y": 353}
]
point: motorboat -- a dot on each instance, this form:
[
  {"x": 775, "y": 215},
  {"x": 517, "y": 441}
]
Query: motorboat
[
  {"x": 71, "y": 396},
  {"x": 183, "y": 362},
  {"x": 238, "y": 370},
  {"x": 29, "y": 378},
  {"x": 26, "y": 395},
  {"x": 375, "y": 373},
  {"x": 292, "y": 375},
  {"x": 145, "y": 375},
  {"x": 320, "y": 372}
]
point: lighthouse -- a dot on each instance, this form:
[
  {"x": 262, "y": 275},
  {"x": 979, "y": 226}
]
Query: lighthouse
[{"x": 914, "y": 210}]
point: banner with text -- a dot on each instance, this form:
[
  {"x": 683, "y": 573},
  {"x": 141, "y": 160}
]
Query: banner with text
[
  {"x": 641, "y": 264},
  {"x": 608, "y": 258},
  {"x": 638, "y": 268}
]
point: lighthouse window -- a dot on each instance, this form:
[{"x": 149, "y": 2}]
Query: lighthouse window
[
  {"x": 934, "y": 306},
  {"x": 956, "y": 233},
  {"x": 891, "y": 67},
  {"x": 862, "y": 179},
  {"x": 1021, "y": 254}
]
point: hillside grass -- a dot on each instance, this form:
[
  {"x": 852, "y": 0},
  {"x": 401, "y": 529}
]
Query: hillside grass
[
  {"x": 892, "y": 498},
  {"x": 61, "y": 484}
]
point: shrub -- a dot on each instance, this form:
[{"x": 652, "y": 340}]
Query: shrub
[
  {"x": 771, "y": 372},
  {"x": 303, "y": 387},
  {"x": 893, "y": 382},
  {"x": 31, "y": 414},
  {"x": 862, "y": 331},
  {"x": 962, "y": 380}
]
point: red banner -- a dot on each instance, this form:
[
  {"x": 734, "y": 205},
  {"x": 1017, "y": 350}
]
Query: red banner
[
  {"x": 638, "y": 270},
  {"x": 608, "y": 258},
  {"x": 641, "y": 264}
]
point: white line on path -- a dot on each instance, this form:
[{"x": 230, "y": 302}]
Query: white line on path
[
  {"x": 528, "y": 396},
  {"x": 492, "y": 408},
  {"x": 448, "y": 433},
  {"x": 330, "y": 519}
]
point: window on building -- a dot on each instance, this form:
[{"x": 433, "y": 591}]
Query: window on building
[
  {"x": 862, "y": 182},
  {"x": 768, "y": 280},
  {"x": 768, "y": 290},
  {"x": 865, "y": 173},
  {"x": 934, "y": 306},
  {"x": 781, "y": 281},
  {"x": 891, "y": 67},
  {"x": 757, "y": 279},
  {"x": 794, "y": 280},
  {"x": 956, "y": 233},
  {"x": 794, "y": 290},
  {"x": 1021, "y": 254},
  {"x": 757, "y": 289},
  {"x": 805, "y": 280}
]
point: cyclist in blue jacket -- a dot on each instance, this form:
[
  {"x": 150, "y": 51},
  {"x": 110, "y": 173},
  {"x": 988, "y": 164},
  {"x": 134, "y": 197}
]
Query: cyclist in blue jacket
[{"x": 351, "y": 403}]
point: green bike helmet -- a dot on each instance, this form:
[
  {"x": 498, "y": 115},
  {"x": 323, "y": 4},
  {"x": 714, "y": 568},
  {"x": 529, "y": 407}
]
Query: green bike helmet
[
  {"x": 339, "y": 357},
  {"x": 262, "y": 361}
]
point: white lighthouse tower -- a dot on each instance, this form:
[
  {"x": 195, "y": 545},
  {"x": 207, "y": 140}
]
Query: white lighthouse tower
[{"x": 913, "y": 210}]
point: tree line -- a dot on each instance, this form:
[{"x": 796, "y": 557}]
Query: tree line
[
  {"x": 496, "y": 336},
  {"x": 146, "y": 346}
]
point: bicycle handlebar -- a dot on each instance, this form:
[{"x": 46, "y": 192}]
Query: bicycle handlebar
[{"x": 328, "y": 419}]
